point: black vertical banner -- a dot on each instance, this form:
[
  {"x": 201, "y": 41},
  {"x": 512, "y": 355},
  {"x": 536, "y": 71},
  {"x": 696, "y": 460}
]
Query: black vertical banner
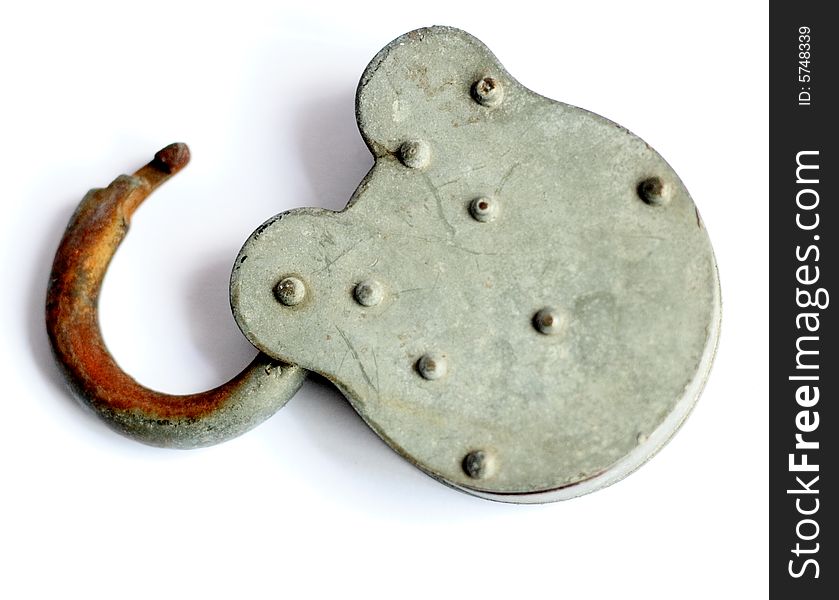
[{"x": 803, "y": 222}]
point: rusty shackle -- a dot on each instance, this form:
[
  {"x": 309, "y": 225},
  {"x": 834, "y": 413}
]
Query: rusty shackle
[{"x": 93, "y": 235}]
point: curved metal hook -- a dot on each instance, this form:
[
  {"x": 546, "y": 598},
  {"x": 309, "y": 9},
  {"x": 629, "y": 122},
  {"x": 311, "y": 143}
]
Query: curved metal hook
[{"x": 93, "y": 235}]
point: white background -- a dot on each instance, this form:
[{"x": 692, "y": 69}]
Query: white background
[{"x": 311, "y": 503}]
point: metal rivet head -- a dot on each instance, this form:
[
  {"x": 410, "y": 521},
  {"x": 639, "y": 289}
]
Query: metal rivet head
[
  {"x": 654, "y": 191},
  {"x": 415, "y": 154},
  {"x": 488, "y": 91},
  {"x": 478, "y": 464},
  {"x": 548, "y": 321},
  {"x": 290, "y": 291},
  {"x": 432, "y": 366},
  {"x": 484, "y": 209},
  {"x": 369, "y": 292}
]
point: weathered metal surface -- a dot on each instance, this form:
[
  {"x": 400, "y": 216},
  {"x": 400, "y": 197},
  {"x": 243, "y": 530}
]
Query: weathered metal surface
[
  {"x": 520, "y": 298},
  {"x": 92, "y": 237}
]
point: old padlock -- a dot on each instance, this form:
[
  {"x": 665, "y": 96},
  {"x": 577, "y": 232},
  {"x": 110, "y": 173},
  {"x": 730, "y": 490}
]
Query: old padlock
[{"x": 520, "y": 297}]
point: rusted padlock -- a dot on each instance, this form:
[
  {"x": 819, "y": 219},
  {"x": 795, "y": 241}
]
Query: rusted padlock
[{"x": 520, "y": 297}]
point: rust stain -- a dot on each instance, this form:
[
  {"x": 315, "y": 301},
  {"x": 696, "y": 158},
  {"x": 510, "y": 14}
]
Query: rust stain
[{"x": 96, "y": 230}]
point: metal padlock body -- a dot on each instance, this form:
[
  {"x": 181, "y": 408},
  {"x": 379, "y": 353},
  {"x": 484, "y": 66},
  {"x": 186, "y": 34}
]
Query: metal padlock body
[{"x": 520, "y": 298}]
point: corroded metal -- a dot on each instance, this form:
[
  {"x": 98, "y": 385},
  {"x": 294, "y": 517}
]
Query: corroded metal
[
  {"x": 552, "y": 304},
  {"x": 95, "y": 231},
  {"x": 520, "y": 298}
]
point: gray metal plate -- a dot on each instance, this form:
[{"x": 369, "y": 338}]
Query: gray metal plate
[{"x": 632, "y": 285}]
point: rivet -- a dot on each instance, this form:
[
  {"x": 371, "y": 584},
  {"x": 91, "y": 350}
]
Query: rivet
[
  {"x": 432, "y": 366},
  {"x": 548, "y": 321},
  {"x": 488, "y": 91},
  {"x": 478, "y": 464},
  {"x": 484, "y": 209},
  {"x": 415, "y": 154},
  {"x": 653, "y": 191},
  {"x": 290, "y": 291},
  {"x": 369, "y": 292}
]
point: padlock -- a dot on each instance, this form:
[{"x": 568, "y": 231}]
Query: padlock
[{"x": 520, "y": 297}]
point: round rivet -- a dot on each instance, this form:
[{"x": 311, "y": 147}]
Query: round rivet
[
  {"x": 415, "y": 154},
  {"x": 432, "y": 366},
  {"x": 653, "y": 191},
  {"x": 290, "y": 291},
  {"x": 484, "y": 209},
  {"x": 488, "y": 91},
  {"x": 478, "y": 464},
  {"x": 548, "y": 321},
  {"x": 369, "y": 292}
]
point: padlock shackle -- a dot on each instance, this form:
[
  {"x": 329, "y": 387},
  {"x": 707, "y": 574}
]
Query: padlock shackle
[{"x": 93, "y": 235}]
